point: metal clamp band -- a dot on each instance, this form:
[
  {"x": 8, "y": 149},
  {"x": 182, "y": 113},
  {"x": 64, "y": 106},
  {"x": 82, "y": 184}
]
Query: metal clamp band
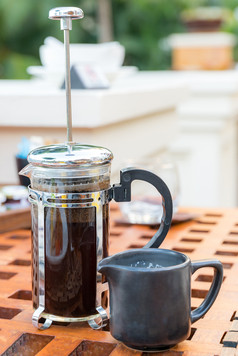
[
  {"x": 102, "y": 323},
  {"x": 69, "y": 200}
]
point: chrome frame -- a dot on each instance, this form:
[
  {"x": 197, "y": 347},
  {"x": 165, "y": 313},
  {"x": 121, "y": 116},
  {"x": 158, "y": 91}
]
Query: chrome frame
[{"x": 68, "y": 200}]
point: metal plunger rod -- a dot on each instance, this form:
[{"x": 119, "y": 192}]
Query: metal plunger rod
[
  {"x": 68, "y": 86},
  {"x": 66, "y": 15}
]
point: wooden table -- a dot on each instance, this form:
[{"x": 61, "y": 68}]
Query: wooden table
[{"x": 213, "y": 234}]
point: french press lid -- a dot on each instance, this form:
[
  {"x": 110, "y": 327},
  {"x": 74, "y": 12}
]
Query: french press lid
[{"x": 69, "y": 156}]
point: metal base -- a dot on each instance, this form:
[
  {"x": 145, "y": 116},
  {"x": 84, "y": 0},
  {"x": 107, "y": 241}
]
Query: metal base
[
  {"x": 99, "y": 324},
  {"x": 95, "y": 321},
  {"x": 37, "y": 315}
]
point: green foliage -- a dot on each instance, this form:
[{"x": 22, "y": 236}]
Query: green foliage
[
  {"x": 140, "y": 25},
  {"x": 24, "y": 25}
]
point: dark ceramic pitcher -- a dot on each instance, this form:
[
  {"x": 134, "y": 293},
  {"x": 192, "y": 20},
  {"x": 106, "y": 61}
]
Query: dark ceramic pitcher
[{"x": 150, "y": 296}]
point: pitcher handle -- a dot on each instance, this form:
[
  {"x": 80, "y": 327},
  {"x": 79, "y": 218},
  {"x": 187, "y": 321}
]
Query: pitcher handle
[
  {"x": 122, "y": 193},
  {"x": 214, "y": 289}
]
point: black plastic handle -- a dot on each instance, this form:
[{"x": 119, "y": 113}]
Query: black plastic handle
[
  {"x": 122, "y": 193},
  {"x": 214, "y": 289}
]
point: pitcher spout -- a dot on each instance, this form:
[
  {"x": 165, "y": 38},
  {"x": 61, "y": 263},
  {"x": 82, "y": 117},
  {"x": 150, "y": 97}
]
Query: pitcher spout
[
  {"x": 26, "y": 171},
  {"x": 103, "y": 269},
  {"x": 106, "y": 267}
]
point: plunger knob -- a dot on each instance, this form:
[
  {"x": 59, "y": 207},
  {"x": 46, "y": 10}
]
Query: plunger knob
[{"x": 66, "y": 15}]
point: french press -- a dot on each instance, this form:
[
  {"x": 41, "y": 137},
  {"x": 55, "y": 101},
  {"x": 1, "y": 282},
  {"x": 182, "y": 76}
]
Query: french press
[{"x": 70, "y": 193}]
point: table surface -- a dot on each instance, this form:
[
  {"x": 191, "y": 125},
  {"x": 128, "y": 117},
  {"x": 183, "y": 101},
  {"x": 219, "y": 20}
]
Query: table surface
[{"x": 213, "y": 233}]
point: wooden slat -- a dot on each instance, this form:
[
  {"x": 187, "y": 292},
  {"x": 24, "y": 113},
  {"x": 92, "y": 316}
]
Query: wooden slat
[{"x": 15, "y": 219}]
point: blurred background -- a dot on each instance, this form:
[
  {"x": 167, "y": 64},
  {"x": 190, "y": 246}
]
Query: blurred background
[
  {"x": 155, "y": 81},
  {"x": 141, "y": 26}
]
